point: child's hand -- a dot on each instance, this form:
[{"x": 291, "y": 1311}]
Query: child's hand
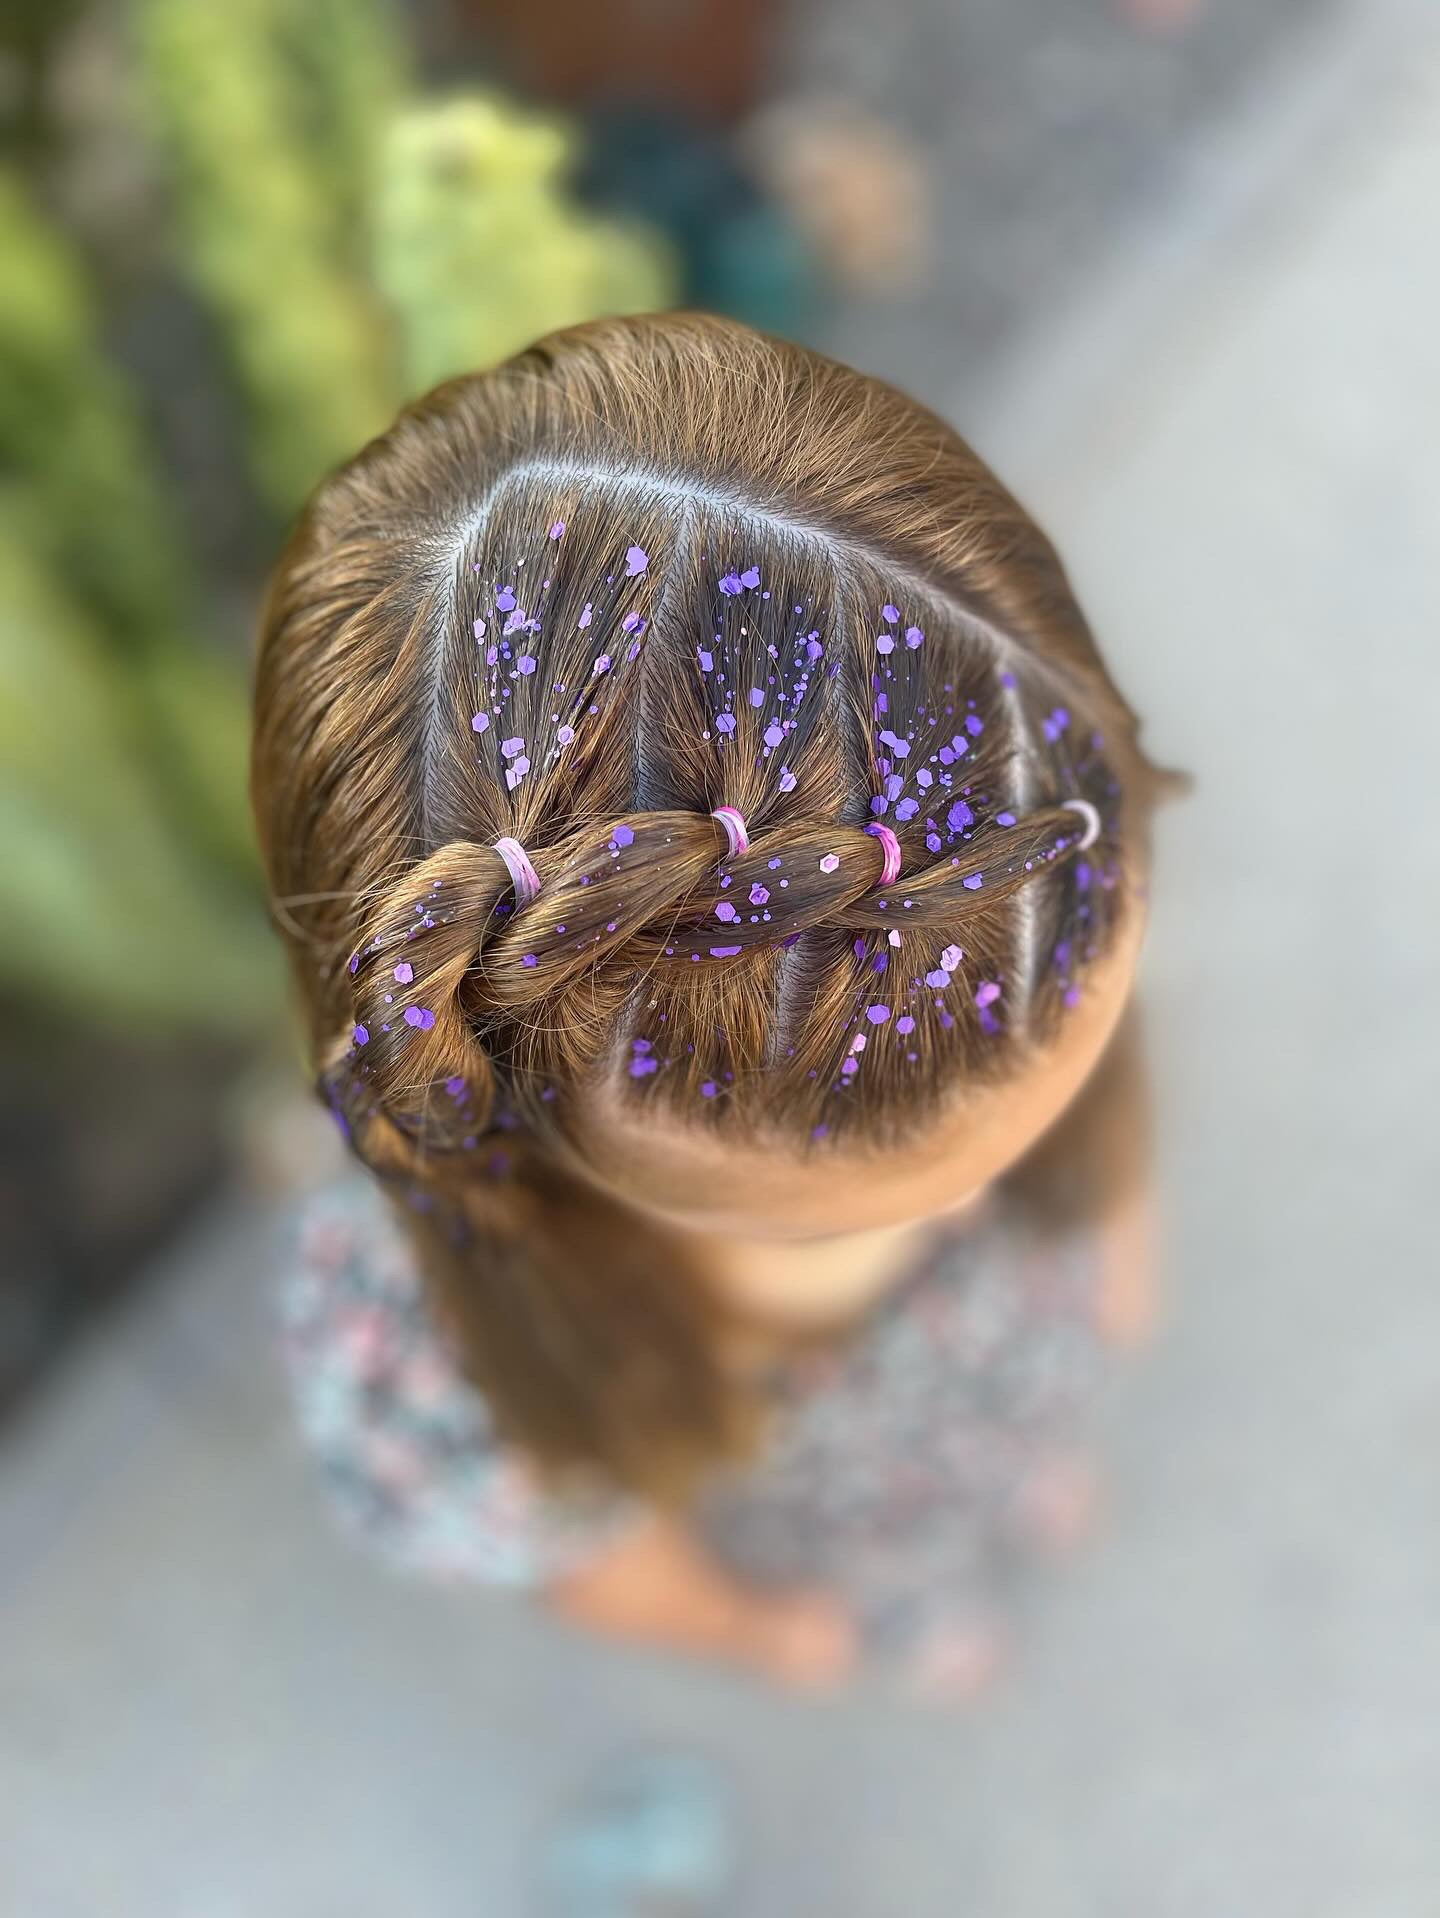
[{"x": 658, "y": 1585}]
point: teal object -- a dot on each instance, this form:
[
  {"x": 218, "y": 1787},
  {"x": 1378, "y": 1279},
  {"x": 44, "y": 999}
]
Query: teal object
[
  {"x": 740, "y": 254},
  {"x": 654, "y": 1832},
  {"x": 757, "y": 266}
]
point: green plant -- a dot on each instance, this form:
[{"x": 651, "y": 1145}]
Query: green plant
[
  {"x": 110, "y": 914},
  {"x": 478, "y": 248},
  {"x": 77, "y": 472},
  {"x": 266, "y": 114},
  {"x": 348, "y": 246}
]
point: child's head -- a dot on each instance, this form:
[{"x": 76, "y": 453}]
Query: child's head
[{"x": 782, "y": 710}]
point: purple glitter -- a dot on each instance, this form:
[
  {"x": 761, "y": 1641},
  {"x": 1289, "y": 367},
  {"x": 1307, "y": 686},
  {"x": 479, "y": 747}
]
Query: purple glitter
[
  {"x": 622, "y": 836},
  {"x": 787, "y": 780},
  {"x": 914, "y": 637},
  {"x": 636, "y": 560},
  {"x": 1004, "y": 819},
  {"x": 830, "y": 862},
  {"x": 725, "y": 723},
  {"x": 362, "y": 1037},
  {"x": 877, "y": 1015},
  {"x": 759, "y": 895},
  {"x": 505, "y": 600},
  {"x": 525, "y": 665},
  {"x": 730, "y": 585},
  {"x": 892, "y": 613},
  {"x": 404, "y": 973},
  {"x": 726, "y": 913},
  {"x": 959, "y": 816},
  {"x": 420, "y": 1017},
  {"x": 528, "y": 959},
  {"x": 557, "y": 531},
  {"x": 585, "y": 614},
  {"x": 751, "y": 576},
  {"x": 708, "y": 1088},
  {"x": 723, "y": 952},
  {"x": 479, "y": 722},
  {"x": 973, "y": 883},
  {"x": 986, "y": 993}
]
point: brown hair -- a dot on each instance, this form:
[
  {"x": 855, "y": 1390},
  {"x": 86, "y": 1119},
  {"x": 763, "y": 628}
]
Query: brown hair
[{"x": 648, "y": 568}]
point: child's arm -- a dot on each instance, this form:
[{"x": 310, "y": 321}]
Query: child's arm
[
  {"x": 1127, "y": 1301},
  {"x": 1093, "y": 1175}
]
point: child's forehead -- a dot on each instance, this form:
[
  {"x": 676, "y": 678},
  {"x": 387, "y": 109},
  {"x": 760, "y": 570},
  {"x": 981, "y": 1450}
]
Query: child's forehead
[{"x": 766, "y": 1188}]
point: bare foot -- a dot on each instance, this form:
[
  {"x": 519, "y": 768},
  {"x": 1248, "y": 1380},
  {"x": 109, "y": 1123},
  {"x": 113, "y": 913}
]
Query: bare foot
[
  {"x": 657, "y": 1585},
  {"x": 801, "y": 1639}
]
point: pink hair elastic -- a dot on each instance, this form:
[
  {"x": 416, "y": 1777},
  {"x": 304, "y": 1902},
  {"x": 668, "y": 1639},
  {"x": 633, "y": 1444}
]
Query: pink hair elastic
[
  {"x": 733, "y": 820},
  {"x": 523, "y": 876},
  {"x": 890, "y": 845},
  {"x": 1091, "y": 817}
]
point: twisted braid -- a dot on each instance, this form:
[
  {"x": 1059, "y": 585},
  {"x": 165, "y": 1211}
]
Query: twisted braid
[{"x": 453, "y": 966}]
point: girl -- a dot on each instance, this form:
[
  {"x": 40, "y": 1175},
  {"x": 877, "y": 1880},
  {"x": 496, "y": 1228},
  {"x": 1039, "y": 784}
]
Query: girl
[{"x": 711, "y": 853}]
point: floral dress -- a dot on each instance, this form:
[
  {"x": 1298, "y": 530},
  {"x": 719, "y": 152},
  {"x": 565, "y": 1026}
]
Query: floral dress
[{"x": 912, "y": 1469}]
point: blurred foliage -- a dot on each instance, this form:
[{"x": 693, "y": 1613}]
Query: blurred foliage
[
  {"x": 349, "y": 244},
  {"x": 266, "y": 112},
  {"x": 477, "y": 248},
  {"x": 79, "y": 493},
  {"x": 112, "y": 915}
]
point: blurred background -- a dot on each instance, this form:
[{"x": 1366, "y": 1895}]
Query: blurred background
[{"x": 1172, "y": 266}]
